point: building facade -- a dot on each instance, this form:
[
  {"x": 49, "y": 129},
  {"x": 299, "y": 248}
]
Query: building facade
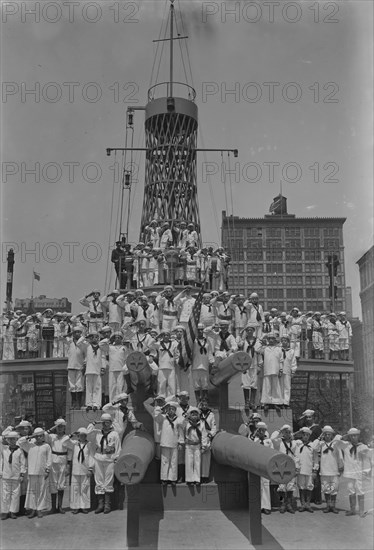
[
  {"x": 40, "y": 303},
  {"x": 366, "y": 267},
  {"x": 283, "y": 258}
]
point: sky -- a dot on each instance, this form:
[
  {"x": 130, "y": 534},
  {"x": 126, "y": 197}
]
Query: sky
[{"x": 303, "y": 82}]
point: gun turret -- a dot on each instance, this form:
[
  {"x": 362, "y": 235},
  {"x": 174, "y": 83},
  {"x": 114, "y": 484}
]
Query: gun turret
[
  {"x": 237, "y": 362},
  {"x": 138, "y": 450},
  {"x": 239, "y": 452}
]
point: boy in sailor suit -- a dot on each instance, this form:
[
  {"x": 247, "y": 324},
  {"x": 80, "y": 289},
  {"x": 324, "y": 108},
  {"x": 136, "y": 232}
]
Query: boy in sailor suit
[
  {"x": 59, "y": 469},
  {"x": 82, "y": 469},
  {"x": 261, "y": 437},
  {"x": 345, "y": 335},
  {"x": 196, "y": 443},
  {"x": 288, "y": 369},
  {"x": 207, "y": 313},
  {"x": 273, "y": 368},
  {"x": 250, "y": 377},
  {"x": 121, "y": 414},
  {"x": 357, "y": 467},
  {"x": 95, "y": 307},
  {"x": 209, "y": 421},
  {"x": 202, "y": 361},
  {"x": 94, "y": 370},
  {"x": 39, "y": 465},
  {"x": 329, "y": 462},
  {"x": 283, "y": 442},
  {"x": 76, "y": 357},
  {"x": 305, "y": 452},
  {"x": 170, "y": 442},
  {"x": 240, "y": 312},
  {"x": 255, "y": 314},
  {"x": 118, "y": 352},
  {"x": 149, "y": 405},
  {"x": 222, "y": 310},
  {"x": 168, "y": 308},
  {"x": 224, "y": 342},
  {"x": 12, "y": 471},
  {"x": 168, "y": 356},
  {"x": 107, "y": 446}
]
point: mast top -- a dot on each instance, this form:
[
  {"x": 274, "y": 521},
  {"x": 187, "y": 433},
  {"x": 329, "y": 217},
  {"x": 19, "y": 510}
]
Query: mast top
[{"x": 170, "y": 84}]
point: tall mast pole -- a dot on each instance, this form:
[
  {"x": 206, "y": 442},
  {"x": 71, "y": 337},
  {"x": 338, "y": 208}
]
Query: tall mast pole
[
  {"x": 9, "y": 280},
  {"x": 171, "y": 46}
]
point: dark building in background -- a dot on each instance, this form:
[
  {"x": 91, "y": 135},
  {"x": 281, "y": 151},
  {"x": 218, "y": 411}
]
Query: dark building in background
[
  {"x": 366, "y": 267},
  {"x": 283, "y": 258},
  {"x": 358, "y": 355},
  {"x": 40, "y": 303}
]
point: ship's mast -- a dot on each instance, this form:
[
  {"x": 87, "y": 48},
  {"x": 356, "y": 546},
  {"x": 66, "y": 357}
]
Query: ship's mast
[{"x": 171, "y": 123}]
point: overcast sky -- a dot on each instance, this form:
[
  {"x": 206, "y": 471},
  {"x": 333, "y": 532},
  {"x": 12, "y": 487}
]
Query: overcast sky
[{"x": 321, "y": 52}]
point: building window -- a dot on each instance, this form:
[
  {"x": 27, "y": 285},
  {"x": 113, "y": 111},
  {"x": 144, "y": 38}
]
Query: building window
[
  {"x": 275, "y": 293},
  {"x": 273, "y": 243},
  {"x": 313, "y": 280},
  {"x": 312, "y": 243},
  {"x": 332, "y": 244},
  {"x": 313, "y": 268},
  {"x": 254, "y": 243},
  {"x": 294, "y": 268},
  {"x": 273, "y": 232},
  {"x": 314, "y": 293},
  {"x": 241, "y": 268},
  {"x": 312, "y": 255},
  {"x": 293, "y": 243},
  {"x": 255, "y": 268},
  {"x": 254, "y": 232},
  {"x": 274, "y": 268},
  {"x": 274, "y": 255},
  {"x": 311, "y": 231},
  {"x": 292, "y": 231},
  {"x": 274, "y": 280},
  {"x": 237, "y": 255},
  {"x": 293, "y": 255},
  {"x": 295, "y": 293},
  {"x": 331, "y": 232},
  {"x": 294, "y": 280},
  {"x": 255, "y": 281},
  {"x": 254, "y": 255}
]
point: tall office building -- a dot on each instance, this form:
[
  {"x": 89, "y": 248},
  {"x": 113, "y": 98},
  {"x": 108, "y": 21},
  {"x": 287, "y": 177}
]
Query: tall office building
[{"x": 285, "y": 259}]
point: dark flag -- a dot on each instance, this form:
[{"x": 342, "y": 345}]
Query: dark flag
[{"x": 189, "y": 335}]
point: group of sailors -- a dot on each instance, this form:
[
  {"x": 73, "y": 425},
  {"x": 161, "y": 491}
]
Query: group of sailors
[
  {"x": 170, "y": 257},
  {"x": 45, "y": 334},
  {"x": 35, "y": 464},
  {"x": 321, "y": 457}
]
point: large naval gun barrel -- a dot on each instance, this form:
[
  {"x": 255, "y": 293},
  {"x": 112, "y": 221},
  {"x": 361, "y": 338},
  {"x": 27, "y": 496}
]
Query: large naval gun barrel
[
  {"x": 237, "y": 362},
  {"x": 138, "y": 450},
  {"x": 239, "y": 452}
]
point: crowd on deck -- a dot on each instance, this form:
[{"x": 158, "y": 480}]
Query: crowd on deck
[
  {"x": 170, "y": 255},
  {"x": 35, "y": 464},
  {"x": 314, "y": 335}
]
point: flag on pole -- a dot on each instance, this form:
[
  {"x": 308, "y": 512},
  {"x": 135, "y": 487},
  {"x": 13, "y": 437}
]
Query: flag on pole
[
  {"x": 36, "y": 276},
  {"x": 189, "y": 335}
]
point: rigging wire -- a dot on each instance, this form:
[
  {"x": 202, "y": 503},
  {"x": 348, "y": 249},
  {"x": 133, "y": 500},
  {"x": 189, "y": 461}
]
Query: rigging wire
[
  {"x": 158, "y": 46},
  {"x": 110, "y": 226},
  {"x": 138, "y": 156},
  {"x": 180, "y": 47},
  {"x": 186, "y": 44},
  {"x": 131, "y": 177},
  {"x": 231, "y": 196},
  {"x": 227, "y": 210},
  {"x": 215, "y": 214},
  {"x": 162, "y": 49}
]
